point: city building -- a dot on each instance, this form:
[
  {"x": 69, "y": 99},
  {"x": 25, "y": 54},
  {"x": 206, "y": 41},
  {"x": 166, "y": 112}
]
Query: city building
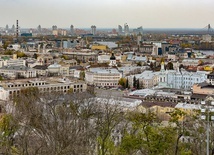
[
  {"x": 185, "y": 80},
  {"x": 93, "y": 29},
  {"x": 6, "y": 61},
  {"x": 126, "y": 29},
  {"x": 113, "y": 61},
  {"x": 45, "y": 59},
  {"x": 41, "y": 70},
  {"x": 103, "y": 77},
  {"x": 206, "y": 38},
  {"x": 39, "y": 29},
  {"x": 84, "y": 56},
  {"x": 203, "y": 88},
  {"x": 99, "y": 47},
  {"x": 13, "y": 72},
  {"x": 13, "y": 29},
  {"x": 210, "y": 78},
  {"x": 120, "y": 30},
  {"x": 9, "y": 89},
  {"x": 54, "y": 27},
  {"x": 138, "y": 30}
]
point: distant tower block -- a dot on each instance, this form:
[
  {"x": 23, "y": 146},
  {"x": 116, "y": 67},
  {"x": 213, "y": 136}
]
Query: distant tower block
[
  {"x": 13, "y": 29},
  {"x": 39, "y": 28},
  {"x": 93, "y": 29},
  {"x": 17, "y": 28}
]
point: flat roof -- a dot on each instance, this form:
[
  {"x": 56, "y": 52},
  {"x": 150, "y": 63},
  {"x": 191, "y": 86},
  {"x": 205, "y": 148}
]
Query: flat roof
[{"x": 104, "y": 70}]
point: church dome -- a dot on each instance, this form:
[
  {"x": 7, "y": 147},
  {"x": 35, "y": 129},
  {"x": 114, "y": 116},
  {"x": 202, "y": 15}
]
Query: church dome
[{"x": 112, "y": 57}]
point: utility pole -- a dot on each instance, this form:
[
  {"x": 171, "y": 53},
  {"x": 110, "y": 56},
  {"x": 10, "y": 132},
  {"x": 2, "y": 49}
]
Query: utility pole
[{"x": 207, "y": 107}]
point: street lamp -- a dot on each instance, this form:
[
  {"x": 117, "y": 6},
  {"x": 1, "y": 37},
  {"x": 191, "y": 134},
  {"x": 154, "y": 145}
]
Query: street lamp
[{"x": 207, "y": 106}]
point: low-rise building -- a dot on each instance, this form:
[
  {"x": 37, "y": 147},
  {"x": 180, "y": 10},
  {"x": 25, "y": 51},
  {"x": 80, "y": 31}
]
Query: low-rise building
[
  {"x": 210, "y": 78},
  {"x": 13, "y": 72},
  {"x": 203, "y": 88},
  {"x": 103, "y": 77},
  {"x": 84, "y": 56},
  {"x": 10, "y": 88},
  {"x": 147, "y": 79},
  {"x": 7, "y": 61},
  {"x": 185, "y": 80},
  {"x": 41, "y": 70}
]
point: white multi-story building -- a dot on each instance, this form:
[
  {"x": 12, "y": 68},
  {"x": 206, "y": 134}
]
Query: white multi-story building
[
  {"x": 103, "y": 77},
  {"x": 179, "y": 79},
  {"x": 184, "y": 79},
  {"x": 10, "y": 89},
  {"x": 15, "y": 62},
  {"x": 13, "y": 72},
  {"x": 12, "y": 62},
  {"x": 147, "y": 79},
  {"x": 210, "y": 78},
  {"x": 57, "y": 69}
]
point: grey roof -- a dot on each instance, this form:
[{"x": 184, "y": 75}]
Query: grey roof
[
  {"x": 15, "y": 67},
  {"x": 42, "y": 67},
  {"x": 76, "y": 67}
]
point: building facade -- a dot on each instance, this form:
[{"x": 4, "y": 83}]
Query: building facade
[
  {"x": 10, "y": 89},
  {"x": 103, "y": 77}
]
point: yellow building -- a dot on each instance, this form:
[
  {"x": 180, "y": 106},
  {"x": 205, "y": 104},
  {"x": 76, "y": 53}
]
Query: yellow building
[
  {"x": 161, "y": 109},
  {"x": 208, "y": 68},
  {"x": 99, "y": 47},
  {"x": 188, "y": 109}
]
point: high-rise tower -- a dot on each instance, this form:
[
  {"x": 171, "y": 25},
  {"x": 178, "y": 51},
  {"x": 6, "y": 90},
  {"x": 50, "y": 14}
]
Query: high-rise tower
[
  {"x": 93, "y": 29},
  {"x": 13, "y": 29},
  {"x": 126, "y": 29},
  {"x": 120, "y": 29},
  {"x": 39, "y": 28}
]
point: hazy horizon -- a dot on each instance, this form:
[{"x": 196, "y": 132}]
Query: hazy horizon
[{"x": 108, "y": 14}]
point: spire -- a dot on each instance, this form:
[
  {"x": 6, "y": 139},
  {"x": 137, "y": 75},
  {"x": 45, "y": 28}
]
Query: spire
[
  {"x": 162, "y": 66},
  {"x": 178, "y": 70}
]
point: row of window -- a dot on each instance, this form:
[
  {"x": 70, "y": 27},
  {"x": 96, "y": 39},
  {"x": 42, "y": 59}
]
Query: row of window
[
  {"x": 26, "y": 84},
  {"x": 50, "y": 89},
  {"x": 106, "y": 84}
]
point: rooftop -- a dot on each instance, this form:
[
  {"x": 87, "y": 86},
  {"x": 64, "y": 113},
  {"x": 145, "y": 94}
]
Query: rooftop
[
  {"x": 104, "y": 70},
  {"x": 16, "y": 68}
]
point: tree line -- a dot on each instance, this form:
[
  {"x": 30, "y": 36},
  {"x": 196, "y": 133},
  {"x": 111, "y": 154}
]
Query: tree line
[{"x": 81, "y": 124}]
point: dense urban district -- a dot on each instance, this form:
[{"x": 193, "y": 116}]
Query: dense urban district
[{"x": 106, "y": 92}]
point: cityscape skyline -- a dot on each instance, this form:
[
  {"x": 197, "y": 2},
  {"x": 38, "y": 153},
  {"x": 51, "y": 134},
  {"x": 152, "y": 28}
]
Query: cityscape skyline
[{"x": 108, "y": 14}]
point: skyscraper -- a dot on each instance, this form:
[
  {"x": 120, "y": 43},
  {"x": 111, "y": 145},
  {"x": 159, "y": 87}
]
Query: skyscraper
[
  {"x": 93, "y": 29},
  {"x": 138, "y": 30},
  {"x": 39, "y": 28},
  {"x": 126, "y": 29},
  {"x": 13, "y": 29},
  {"x": 120, "y": 29},
  {"x": 54, "y": 27},
  {"x": 7, "y": 28}
]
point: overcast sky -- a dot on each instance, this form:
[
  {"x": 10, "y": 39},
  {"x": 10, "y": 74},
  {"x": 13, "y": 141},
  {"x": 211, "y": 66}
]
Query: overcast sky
[{"x": 108, "y": 13}]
